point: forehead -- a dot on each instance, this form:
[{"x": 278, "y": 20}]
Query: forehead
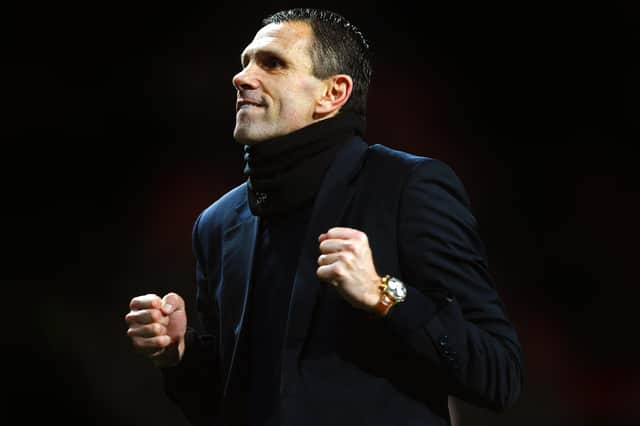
[{"x": 283, "y": 38}]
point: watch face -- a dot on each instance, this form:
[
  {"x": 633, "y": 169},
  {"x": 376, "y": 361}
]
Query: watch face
[{"x": 397, "y": 289}]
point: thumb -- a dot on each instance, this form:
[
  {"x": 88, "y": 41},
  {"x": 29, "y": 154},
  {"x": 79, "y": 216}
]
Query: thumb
[{"x": 172, "y": 302}]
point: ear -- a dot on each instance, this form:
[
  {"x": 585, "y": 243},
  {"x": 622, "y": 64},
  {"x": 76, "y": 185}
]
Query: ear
[{"x": 337, "y": 91}]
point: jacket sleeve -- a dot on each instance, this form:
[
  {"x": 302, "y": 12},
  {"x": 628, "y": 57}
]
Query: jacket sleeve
[
  {"x": 453, "y": 316},
  {"x": 194, "y": 384}
]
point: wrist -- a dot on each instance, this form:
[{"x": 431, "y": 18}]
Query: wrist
[
  {"x": 171, "y": 355},
  {"x": 373, "y": 297}
]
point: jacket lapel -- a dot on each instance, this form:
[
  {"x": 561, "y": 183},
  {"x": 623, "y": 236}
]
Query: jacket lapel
[
  {"x": 335, "y": 193},
  {"x": 238, "y": 253},
  {"x": 237, "y": 264}
]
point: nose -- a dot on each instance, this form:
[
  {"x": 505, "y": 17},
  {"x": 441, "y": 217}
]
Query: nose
[{"x": 245, "y": 79}]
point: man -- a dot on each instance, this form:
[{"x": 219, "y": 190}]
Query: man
[{"x": 342, "y": 284}]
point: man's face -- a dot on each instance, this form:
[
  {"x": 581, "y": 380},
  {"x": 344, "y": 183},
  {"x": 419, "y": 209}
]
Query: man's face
[{"x": 277, "y": 92}]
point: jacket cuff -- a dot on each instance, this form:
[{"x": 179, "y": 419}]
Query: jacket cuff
[
  {"x": 416, "y": 310},
  {"x": 173, "y": 376}
]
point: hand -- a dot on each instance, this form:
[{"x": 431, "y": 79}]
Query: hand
[
  {"x": 346, "y": 263},
  {"x": 157, "y": 328}
]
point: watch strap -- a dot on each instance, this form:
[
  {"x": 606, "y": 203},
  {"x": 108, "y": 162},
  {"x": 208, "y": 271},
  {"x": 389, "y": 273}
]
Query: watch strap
[{"x": 385, "y": 302}]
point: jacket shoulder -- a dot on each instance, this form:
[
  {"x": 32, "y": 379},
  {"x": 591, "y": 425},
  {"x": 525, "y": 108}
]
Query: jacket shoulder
[
  {"x": 396, "y": 155},
  {"x": 402, "y": 160},
  {"x": 394, "y": 162}
]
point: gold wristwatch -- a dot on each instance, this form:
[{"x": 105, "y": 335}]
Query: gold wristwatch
[{"x": 392, "y": 292}]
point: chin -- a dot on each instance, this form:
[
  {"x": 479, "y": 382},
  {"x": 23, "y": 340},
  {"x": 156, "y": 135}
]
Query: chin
[
  {"x": 251, "y": 135},
  {"x": 246, "y": 138}
]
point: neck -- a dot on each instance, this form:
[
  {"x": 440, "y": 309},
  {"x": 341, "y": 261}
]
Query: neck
[{"x": 286, "y": 171}]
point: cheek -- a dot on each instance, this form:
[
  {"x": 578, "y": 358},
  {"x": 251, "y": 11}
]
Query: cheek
[
  {"x": 311, "y": 90},
  {"x": 300, "y": 99}
]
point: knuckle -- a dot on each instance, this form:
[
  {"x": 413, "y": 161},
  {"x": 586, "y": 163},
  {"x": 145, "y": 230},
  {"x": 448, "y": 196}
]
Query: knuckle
[
  {"x": 154, "y": 301},
  {"x": 144, "y": 301},
  {"x": 164, "y": 320},
  {"x": 162, "y": 341},
  {"x": 157, "y": 329},
  {"x": 138, "y": 343},
  {"x": 154, "y": 315},
  {"x": 153, "y": 342},
  {"x": 147, "y": 344}
]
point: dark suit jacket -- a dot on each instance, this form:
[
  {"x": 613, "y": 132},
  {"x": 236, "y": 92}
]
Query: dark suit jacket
[{"x": 342, "y": 366}]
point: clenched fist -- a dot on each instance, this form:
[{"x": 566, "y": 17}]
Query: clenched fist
[
  {"x": 346, "y": 262},
  {"x": 157, "y": 328}
]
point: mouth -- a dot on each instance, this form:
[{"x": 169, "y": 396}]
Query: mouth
[{"x": 244, "y": 103}]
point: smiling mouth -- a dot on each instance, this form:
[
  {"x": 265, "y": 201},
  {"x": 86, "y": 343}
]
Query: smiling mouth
[{"x": 246, "y": 104}]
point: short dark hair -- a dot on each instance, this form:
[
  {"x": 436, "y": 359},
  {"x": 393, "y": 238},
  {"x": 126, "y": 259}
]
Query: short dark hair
[{"x": 338, "y": 48}]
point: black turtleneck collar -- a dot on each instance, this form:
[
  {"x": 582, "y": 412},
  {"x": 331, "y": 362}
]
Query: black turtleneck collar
[{"x": 285, "y": 172}]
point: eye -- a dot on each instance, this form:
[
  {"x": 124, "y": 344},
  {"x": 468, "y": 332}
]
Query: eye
[{"x": 272, "y": 62}]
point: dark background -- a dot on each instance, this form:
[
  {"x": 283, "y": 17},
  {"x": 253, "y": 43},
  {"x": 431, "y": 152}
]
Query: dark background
[{"x": 118, "y": 132}]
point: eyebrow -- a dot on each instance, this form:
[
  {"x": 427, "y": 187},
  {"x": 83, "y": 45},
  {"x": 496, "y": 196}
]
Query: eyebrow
[{"x": 260, "y": 51}]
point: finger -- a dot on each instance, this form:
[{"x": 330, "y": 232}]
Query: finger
[
  {"x": 345, "y": 233},
  {"x": 147, "y": 301},
  {"x": 150, "y": 345},
  {"x": 146, "y": 316},
  {"x": 330, "y": 273},
  {"x": 327, "y": 259},
  {"x": 149, "y": 330},
  {"x": 346, "y": 258},
  {"x": 336, "y": 245}
]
